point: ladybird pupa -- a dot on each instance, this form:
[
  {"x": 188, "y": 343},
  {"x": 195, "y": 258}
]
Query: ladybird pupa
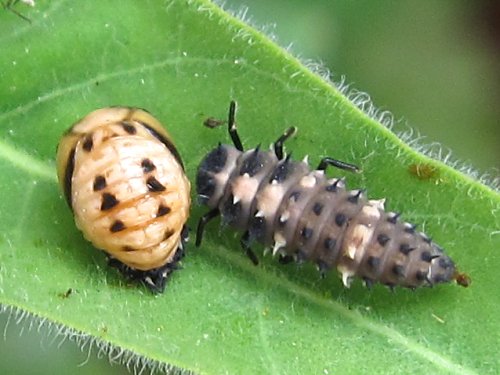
[
  {"x": 302, "y": 214},
  {"x": 125, "y": 183}
]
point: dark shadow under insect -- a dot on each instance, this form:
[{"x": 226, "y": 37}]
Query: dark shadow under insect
[{"x": 305, "y": 216}]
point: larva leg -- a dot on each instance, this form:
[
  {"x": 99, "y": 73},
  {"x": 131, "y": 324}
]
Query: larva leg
[
  {"x": 278, "y": 145},
  {"x": 246, "y": 246},
  {"x": 325, "y": 162},
  {"x": 285, "y": 259},
  {"x": 202, "y": 222},
  {"x": 231, "y": 126}
]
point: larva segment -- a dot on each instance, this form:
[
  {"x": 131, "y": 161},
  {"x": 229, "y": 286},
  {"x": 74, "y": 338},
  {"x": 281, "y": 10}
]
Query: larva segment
[{"x": 300, "y": 213}]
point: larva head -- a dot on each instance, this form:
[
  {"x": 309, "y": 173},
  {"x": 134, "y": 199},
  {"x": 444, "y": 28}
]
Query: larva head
[{"x": 214, "y": 172}]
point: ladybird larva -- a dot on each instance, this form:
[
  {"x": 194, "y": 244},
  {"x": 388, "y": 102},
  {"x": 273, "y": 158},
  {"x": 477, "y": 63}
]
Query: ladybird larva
[
  {"x": 304, "y": 215},
  {"x": 125, "y": 183}
]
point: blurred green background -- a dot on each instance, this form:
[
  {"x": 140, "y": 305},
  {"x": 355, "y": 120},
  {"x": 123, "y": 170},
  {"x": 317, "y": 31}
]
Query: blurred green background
[{"x": 434, "y": 64}]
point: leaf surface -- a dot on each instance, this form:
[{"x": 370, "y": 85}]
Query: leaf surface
[{"x": 184, "y": 61}]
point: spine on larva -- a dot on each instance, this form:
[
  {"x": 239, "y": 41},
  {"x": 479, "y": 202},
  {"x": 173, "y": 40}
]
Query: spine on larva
[{"x": 301, "y": 213}]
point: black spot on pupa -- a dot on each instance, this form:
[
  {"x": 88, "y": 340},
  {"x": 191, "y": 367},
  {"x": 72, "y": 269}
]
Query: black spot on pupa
[
  {"x": 128, "y": 127},
  {"x": 68, "y": 176},
  {"x": 108, "y": 201},
  {"x": 340, "y": 219},
  {"x": 162, "y": 210},
  {"x": 154, "y": 185},
  {"x": 99, "y": 183},
  {"x": 88, "y": 143},
  {"x": 147, "y": 165},
  {"x": 168, "y": 234},
  {"x": 117, "y": 226},
  {"x": 128, "y": 249}
]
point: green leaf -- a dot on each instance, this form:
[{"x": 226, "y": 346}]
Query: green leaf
[{"x": 184, "y": 61}]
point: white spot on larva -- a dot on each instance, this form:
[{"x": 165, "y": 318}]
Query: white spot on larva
[
  {"x": 307, "y": 181},
  {"x": 269, "y": 199},
  {"x": 347, "y": 275},
  {"x": 279, "y": 242},
  {"x": 377, "y": 203},
  {"x": 284, "y": 216},
  {"x": 371, "y": 211},
  {"x": 259, "y": 214},
  {"x": 306, "y": 159},
  {"x": 244, "y": 188},
  {"x": 339, "y": 181},
  {"x": 429, "y": 272}
]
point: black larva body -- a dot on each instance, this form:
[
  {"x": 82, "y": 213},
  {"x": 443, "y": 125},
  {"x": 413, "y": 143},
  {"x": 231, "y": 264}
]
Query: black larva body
[{"x": 300, "y": 212}]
